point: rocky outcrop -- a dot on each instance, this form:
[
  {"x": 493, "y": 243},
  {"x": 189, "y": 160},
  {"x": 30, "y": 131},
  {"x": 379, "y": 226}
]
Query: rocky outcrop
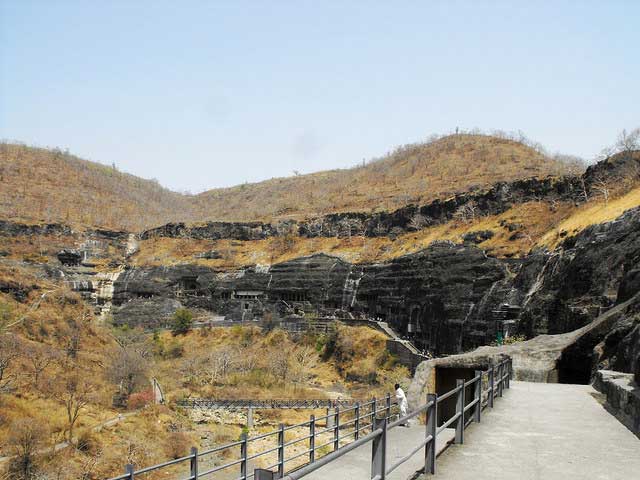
[
  {"x": 14, "y": 229},
  {"x": 18, "y": 291},
  {"x": 499, "y": 198},
  {"x": 435, "y": 296},
  {"x": 568, "y": 288},
  {"x": 572, "y": 357},
  {"x": 219, "y": 230},
  {"x": 69, "y": 257}
]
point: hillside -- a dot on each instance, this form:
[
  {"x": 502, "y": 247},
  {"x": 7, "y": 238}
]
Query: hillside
[
  {"x": 414, "y": 173},
  {"x": 53, "y": 186}
]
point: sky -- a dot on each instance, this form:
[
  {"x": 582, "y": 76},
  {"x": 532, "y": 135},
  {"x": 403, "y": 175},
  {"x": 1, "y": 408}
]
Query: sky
[{"x": 201, "y": 94}]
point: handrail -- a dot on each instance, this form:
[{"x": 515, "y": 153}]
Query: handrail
[
  {"x": 449, "y": 394},
  {"x": 362, "y": 416}
]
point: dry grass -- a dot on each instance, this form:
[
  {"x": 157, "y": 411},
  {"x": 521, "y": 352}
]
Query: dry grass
[
  {"x": 155, "y": 433},
  {"x": 412, "y": 174},
  {"x": 534, "y": 220},
  {"x": 590, "y": 214},
  {"x": 49, "y": 185}
]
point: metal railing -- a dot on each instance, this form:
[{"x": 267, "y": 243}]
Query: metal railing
[
  {"x": 325, "y": 432},
  {"x": 498, "y": 378},
  {"x": 345, "y": 429}
]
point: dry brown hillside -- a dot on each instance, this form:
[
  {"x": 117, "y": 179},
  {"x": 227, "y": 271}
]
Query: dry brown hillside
[
  {"x": 54, "y": 186},
  {"x": 414, "y": 173},
  {"x": 51, "y": 185}
]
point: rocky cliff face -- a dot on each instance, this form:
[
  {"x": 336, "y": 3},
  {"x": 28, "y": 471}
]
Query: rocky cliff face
[
  {"x": 495, "y": 200},
  {"x": 430, "y": 296},
  {"x": 447, "y": 298},
  {"x": 87, "y": 261}
]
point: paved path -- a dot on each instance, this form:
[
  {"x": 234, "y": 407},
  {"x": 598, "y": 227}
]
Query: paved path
[
  {"x": 548, "y": 432},
  {"x": 356, "y": 465}
]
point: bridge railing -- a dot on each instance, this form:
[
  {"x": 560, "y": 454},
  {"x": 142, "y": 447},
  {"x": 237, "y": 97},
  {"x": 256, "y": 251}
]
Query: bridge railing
[
  {"x": 331, "y": 436},
  {"x": 498, "y": 378},
  {"x": 325, "y": 433}
]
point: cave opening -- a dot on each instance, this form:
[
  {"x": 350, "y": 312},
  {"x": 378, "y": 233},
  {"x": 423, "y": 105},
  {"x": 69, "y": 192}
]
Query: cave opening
[
  {"x": 576, "y": 366},
  {"x": 446, "y": 381}
]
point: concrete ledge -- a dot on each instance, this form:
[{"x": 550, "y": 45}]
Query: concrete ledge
[{"x": 623, "y": 397}]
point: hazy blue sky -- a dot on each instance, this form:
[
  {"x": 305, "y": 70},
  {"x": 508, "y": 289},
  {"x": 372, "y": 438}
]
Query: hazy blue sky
[{"x": 201, "y": 94}]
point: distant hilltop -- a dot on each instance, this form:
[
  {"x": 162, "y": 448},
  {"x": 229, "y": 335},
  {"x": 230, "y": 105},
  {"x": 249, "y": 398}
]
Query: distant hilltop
[{"x": 49, "y": 185}]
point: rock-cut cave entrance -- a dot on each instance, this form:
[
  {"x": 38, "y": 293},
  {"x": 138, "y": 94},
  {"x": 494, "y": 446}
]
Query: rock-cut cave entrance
[
  {"x": 446, "y": 380},
  {"x": 576, "y": 365}
]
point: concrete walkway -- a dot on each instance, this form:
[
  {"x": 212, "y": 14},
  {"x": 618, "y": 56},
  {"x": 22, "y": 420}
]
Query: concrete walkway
[
  {"x": 547, "y": 432},
  {"x": 356, "y": 465}
]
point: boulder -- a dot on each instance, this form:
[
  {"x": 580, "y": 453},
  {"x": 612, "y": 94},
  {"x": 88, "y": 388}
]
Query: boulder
[{"x": 69, "y": 257}]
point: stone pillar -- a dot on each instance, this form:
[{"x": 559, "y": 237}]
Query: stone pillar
[
  {"x": 331, "y": 419},
  {"x": 249, "y": 417}
]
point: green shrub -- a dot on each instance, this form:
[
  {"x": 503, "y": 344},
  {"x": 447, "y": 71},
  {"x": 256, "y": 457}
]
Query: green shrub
[{"x": 182, "y": 321}]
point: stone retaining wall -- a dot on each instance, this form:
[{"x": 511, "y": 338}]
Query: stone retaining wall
[{"x": 623, "y": 397}]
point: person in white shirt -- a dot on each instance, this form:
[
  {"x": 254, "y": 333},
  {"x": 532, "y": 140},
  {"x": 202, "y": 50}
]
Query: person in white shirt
[{"x": 401, "y": 400}]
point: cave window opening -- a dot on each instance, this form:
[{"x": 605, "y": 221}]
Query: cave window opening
[{"x": 293, "y": 296}]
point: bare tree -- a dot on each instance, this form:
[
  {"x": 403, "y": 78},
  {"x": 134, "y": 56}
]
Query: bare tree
[
  {"x": 350, "y": 227},
  {"x": 304, "y": 359},
  {"x": 628, "y": 142},
  {"x": 39, "y": 358},
  {"x": 128, "y": 370},
  {"x": 585, "y": 192},
  {"x": 134, "y": 339},
  {"x": 25, "y": 439},
  {"x": 601, "y": 185},
  {"x": 221, "y": 363},
  {"x": 279, "y": 364},
  {"x": 315, "y": 225},
  {"x": 418, "y": 221},
  {"x": 75, "y": 392},
  {"x": 9, "y": 351},
  {"x": 467, "y": 212}
]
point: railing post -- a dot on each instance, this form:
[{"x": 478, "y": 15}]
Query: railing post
[
  {"x": 432, "y": 429},
  {"x": 356, "y": 435},
  {"x": 128, "y": 469},
  {"x": 492, "y": 386},
  {"x": 510, "y": 372},
  {"x": 194, "y": 463},
  {"x": 379, "y": 450},
  {"x": 500, "y": 379},
  {"x": 336, "y": 430},
  {"x": 281, "y": 451},
  {"x": 388, "y": 411},
  {"x": 477, "y": 395},
  {"x": 460, "y": 411},
  {"x": 373, "y": 412},
  {"x": 329, "y": 418},
  {"x": 262, "y": 474},
  {"x": 312, "y": 439},
  {"x": 244, "y": 453}
]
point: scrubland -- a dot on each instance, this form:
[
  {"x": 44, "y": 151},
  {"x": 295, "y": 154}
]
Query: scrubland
[
  {"x": 65, "y": 381},
  {"x": 51, "y": 185}
]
